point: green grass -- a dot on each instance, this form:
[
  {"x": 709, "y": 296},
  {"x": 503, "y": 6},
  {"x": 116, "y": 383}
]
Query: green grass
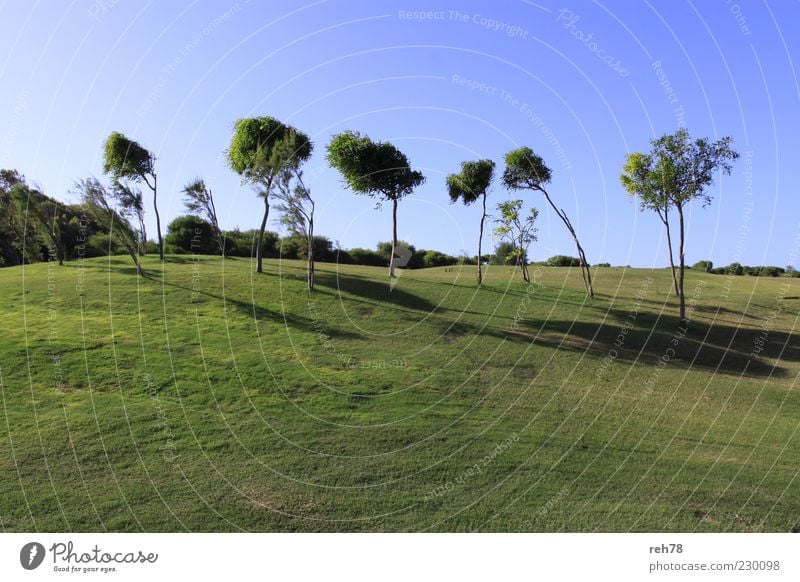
[{"x": 209, "y": 398}]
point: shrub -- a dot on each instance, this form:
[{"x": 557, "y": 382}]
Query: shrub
[
  {"x": 367, "y": 257},
  {"x": 242, "y": 243},
  {"x": 705, "y": 266},
  {"x": 191, "y": 234},
  {"x": 563, "y": 261}
]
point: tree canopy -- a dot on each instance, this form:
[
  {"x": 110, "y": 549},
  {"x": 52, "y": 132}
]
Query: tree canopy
[
  {"x": 373, "y": 168},
  {"x": 124, "y": 158},
  {"x": 257, "y": 141},
  {"x": 471, "y": 182}
]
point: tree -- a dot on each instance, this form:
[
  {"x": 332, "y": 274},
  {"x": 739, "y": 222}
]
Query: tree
[
  {"x": 125, "y": 159},
  {"x": 297, "y": 207},
  {"x": 199, "y": 200},
  {"x": 646, "y": 178},
  {"x": 705, "y": 266},
  {"x": 519, "y": 230},
  {"x": 131, "y": 204},
  {"x": 42, "y": 212},
  {"x": 676, "y": 171},
  {"x": 470, "y": 184},
  {"x": 503, "y": 253},
  {"x": 526, "y": 170},
  {"x": 98, "y": 203},
  {"x": 261, "y": 149},
  {"x": 376, "y": 169}
]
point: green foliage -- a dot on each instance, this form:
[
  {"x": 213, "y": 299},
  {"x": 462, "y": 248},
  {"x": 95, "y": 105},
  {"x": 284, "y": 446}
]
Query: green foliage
[
  {"x": 704, "y": 266},
  {"x": 263, "y": 146},
  {"x": 296, "y": 247},
  {"x": 366, "y": 257},
  {"x": 191, "y": 234},
  {"x": 525, "y": 170},
  {"x": 472, "y": 182},
  {"x": 216, "y": 350},
  {"x": 124, "y": 158},
  {"x": 519, "y": 229},
  {"x": 504, "y": 253},
  {"x": 242, "y": 243},
  {"x": 563, "y": 261},
  {"x": 372, "y": 168},
  {"x": 437, "y": 259}
]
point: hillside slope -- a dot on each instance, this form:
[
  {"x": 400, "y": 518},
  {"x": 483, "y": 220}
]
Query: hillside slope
[{"x": 208, "y": 398}]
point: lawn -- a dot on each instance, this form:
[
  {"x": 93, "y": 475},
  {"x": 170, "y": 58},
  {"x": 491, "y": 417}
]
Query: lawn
[{"x": 206, "y": 397}]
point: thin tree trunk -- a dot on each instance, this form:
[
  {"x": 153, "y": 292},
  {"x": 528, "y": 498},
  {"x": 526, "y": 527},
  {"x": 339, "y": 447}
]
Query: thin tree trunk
[
  {"x": 143, "y": 234},
  {"x": 665, "y": 220},
  {"x": 217, "y": 230},
  {"x": 681, "y": 296},
  {"x": 480, "y": 241},
  {"x": 310, "y": 275},
  {"x": 587, "y": 276},
  {"x": 259, "y": 250},
  {"x": 394, "y": 237},
  {"x": 158, "y": 218}
]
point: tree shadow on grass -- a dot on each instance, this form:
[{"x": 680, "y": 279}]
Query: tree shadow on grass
[
  {"x": 720, "y": 348},
  {"x": 377, "y": 292}
]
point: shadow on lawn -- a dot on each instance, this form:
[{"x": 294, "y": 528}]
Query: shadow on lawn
[{"x": 720, "y": 348}]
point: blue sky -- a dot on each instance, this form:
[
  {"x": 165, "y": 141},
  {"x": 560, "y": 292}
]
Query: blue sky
[{"x": 582, "y": 83}]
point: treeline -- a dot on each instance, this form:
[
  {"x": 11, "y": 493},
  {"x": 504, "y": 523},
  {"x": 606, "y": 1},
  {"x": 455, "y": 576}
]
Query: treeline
[
  {"x": 191, "y": 234},
  {"x": 36, "y": 227},
  {"x": 737, "y": 269}
]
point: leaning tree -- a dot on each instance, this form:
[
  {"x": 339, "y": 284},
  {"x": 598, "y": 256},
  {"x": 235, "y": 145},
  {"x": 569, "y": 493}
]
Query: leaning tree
[
  {"x": 376, "y": 169},
  {"x": 676, "y": 171},
  {"x": 131, "y": 205},
  {"x": 261, "y": 149},
  {"x": 199, "y": 200},
  {"x": 98, "y": 202},
  {"x": 125, "y": 159},
  {"x": 470, "y": 185},
  {"x": 297, "y": 208},
  {"x": 526, "y": 170}
]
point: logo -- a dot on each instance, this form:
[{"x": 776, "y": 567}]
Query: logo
[
  {"x": 31, "y": 555},
  {"x": 402, "y": 255}
]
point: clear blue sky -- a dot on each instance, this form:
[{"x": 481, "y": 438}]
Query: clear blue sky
[{"x": 175, "y": 76}]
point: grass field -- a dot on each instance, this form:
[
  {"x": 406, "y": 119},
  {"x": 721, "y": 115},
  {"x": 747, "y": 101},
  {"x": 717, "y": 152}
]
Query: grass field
[{"x": 208, "y": 398}]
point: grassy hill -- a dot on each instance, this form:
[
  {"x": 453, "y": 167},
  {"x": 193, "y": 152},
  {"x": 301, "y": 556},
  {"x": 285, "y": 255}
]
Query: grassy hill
[{"x": 209, "y": 398}]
